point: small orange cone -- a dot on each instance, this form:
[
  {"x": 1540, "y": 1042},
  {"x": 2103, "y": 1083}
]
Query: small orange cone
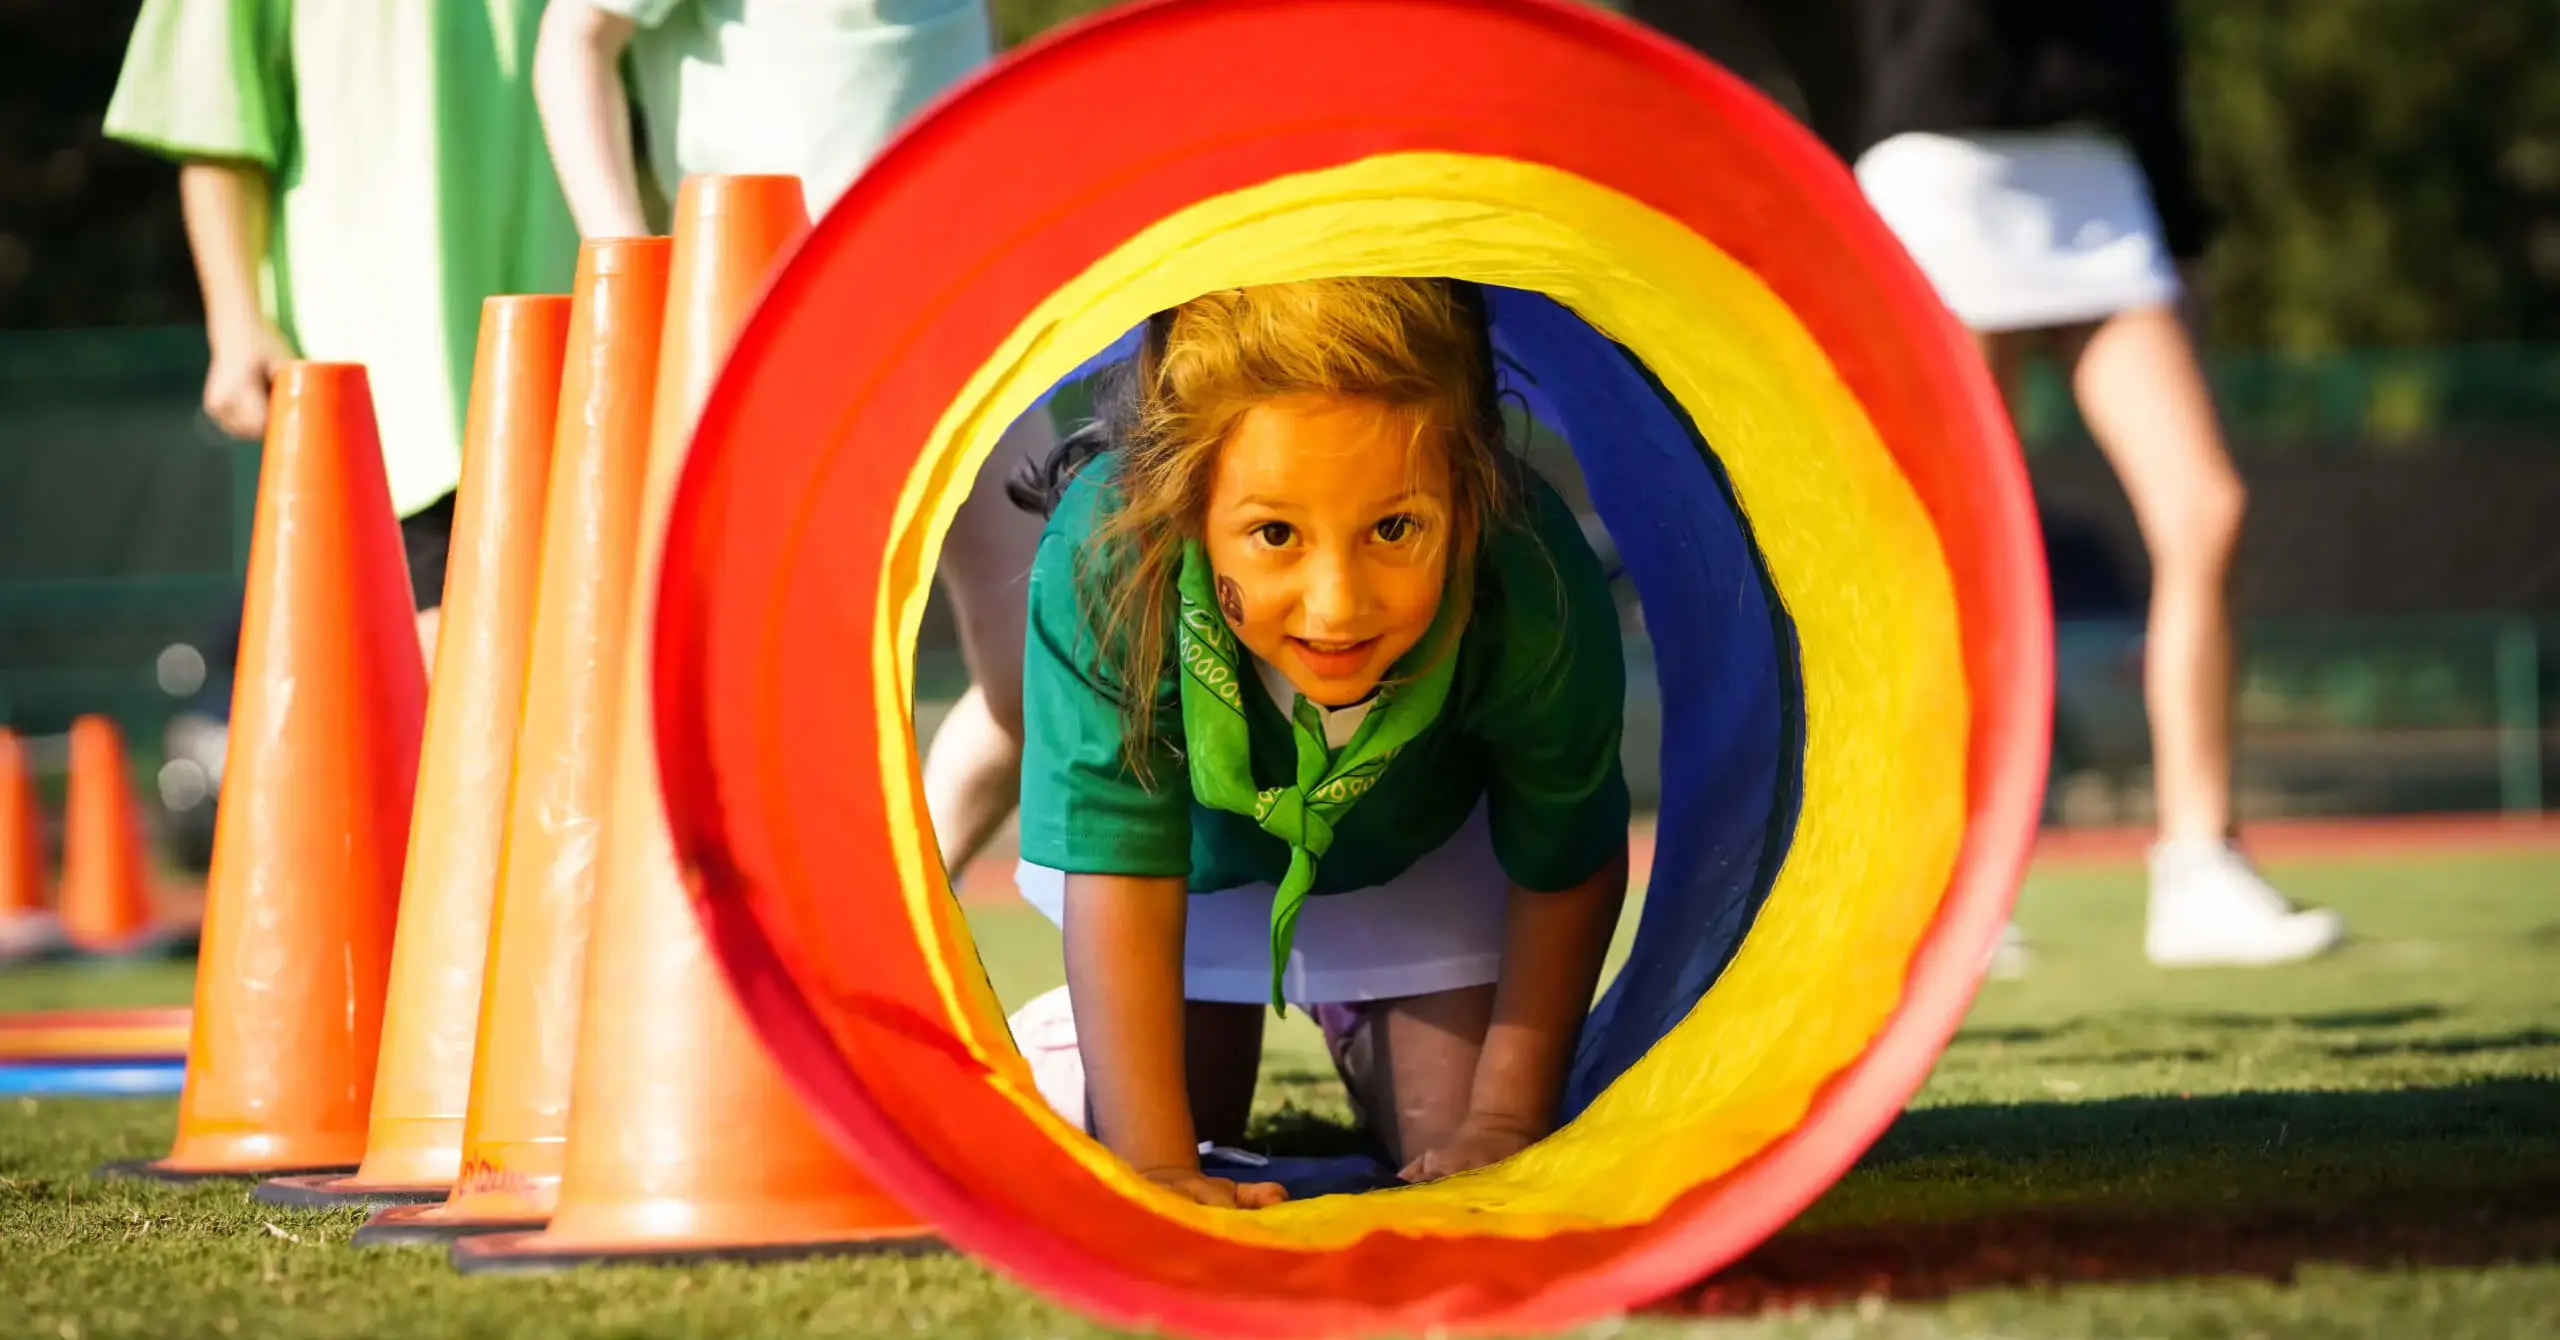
[
  {"x": 28, "y": 927},
  {"x": 685, "y": 1142},
  {"x": 106, "y": 880},
  {"x": 314, "y": 822},
  {"x": 21, "y": 834},
  {"x": 431, "y": 1017},
  {"x": 518, "y": 1112}
]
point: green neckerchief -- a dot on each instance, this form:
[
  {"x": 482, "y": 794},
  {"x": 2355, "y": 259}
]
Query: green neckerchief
[{"x": 1220, "y": 750}]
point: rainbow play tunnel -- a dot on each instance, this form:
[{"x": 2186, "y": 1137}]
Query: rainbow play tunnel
[{"x": 1810, "y": 481}]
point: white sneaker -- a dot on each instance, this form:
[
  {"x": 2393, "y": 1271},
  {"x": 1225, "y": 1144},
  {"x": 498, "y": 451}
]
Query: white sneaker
[
  {"x": 2011, "y": 956},
  {"x": 1045, "y": 1031},
  {"x": 2211, "y": 908}
]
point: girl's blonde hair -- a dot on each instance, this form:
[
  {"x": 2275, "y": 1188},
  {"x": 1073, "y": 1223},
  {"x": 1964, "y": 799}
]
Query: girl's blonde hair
[{"x": 1416, "y": 346}]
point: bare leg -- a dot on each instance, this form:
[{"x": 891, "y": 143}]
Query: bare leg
[
  {"x": 1411, "y": 1066},
  {"x": 972, "y": 776},
  {"x": 2146, "y": 402},
  {"x": 1222, "y": 1054},
  {"x": 973, "y": 772}
]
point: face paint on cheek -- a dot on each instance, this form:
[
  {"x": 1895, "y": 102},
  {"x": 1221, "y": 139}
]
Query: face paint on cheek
[{"x": 1231, "y": 601}]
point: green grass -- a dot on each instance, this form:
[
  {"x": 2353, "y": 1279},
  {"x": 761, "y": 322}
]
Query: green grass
[{"x": 2369, "y": 1146}]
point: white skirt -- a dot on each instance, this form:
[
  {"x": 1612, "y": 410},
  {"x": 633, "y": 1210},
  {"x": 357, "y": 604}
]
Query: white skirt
[
  {"x": 1436, "y": 927},
  {"x": 2024, "y": 230}
]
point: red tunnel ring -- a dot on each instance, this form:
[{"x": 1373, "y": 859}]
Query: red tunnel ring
[{"x": 983, "y": 209}]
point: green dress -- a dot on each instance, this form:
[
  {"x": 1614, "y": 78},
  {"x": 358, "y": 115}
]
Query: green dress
[{"x": 411, "y": 182}]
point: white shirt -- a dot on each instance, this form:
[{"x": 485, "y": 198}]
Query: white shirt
[
  {"x": 811, "y": 88},
  {"x": 1339, "y": 722}
]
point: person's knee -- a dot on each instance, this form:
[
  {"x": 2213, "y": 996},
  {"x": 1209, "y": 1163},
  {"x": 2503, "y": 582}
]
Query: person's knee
[
  {"x": 988, "y": 608},
  {"x": 2204, "y": 524},
  {"x": 1003, "y": 698},
  {"x": 974, "y": 746}
]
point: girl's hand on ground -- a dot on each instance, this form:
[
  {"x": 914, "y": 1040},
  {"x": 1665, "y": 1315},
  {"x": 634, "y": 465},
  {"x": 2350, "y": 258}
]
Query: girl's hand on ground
[
  {"x": 235, "y": 385},
  {"x": 1473, "y": 1145},
  {"x": 1217, "y": 1191}
]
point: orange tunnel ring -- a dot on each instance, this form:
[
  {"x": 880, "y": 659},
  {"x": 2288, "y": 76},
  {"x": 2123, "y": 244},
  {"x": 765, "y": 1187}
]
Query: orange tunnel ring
[{"x": 1542, "y": 146}]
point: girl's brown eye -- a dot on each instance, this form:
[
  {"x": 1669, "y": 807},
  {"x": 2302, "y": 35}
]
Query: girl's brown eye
[
  {"x": 1277, "y": 534},
  {"x": 1398, "y": 528}
]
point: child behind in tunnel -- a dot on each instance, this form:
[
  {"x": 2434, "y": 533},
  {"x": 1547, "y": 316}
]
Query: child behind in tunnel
[{"x": 1322, "y": 696}]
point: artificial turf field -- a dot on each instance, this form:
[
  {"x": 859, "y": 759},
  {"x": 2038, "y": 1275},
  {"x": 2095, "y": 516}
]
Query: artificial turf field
[{"x": 2366, "y": 1146}]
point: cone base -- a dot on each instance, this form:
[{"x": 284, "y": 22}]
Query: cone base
[
  {"x": 432, "y": 1226},
  {"x": 532, "y": 1252},
  {"x": 158, "y": 1170},
  {"x": 328, "y": 1191}
]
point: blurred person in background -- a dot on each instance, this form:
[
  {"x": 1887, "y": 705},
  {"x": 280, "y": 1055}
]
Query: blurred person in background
[
  {"x": 811, "y": 90},
  {"x": 2033, "y": 158},
  {"x": 356, "y": 178}
]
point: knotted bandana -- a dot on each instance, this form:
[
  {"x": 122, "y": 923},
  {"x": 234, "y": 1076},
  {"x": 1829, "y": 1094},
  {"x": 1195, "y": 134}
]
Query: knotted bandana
[{"x": 1220, "y": 751}]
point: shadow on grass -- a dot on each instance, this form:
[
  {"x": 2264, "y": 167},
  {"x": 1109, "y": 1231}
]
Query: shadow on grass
[
  {"x": 2343, "y": 1021},
  {"x": 2135, "y": 1056},
  {"x": 2467, "y": 1045},
  {"x": 1968, "y": 1198},
  {"x": 1309, "y": 1119}
]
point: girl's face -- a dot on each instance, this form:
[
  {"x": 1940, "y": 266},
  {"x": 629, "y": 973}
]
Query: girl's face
[{"x": 1328, "y": 528}]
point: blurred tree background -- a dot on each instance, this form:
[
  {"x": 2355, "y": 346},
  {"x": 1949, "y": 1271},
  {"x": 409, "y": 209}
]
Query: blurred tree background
[
  {"x": 89, "y": 231},
  {"x": 2388, "y": 171}
]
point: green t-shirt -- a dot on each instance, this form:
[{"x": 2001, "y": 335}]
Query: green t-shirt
[
  {"x": 410, "y": 177},
  {"x": 1531, "y": 725}
]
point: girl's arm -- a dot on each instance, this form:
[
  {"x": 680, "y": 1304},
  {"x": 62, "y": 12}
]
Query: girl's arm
[
  {"x": 586, "y": 116},
  {"x": 1124, "y": 978},
  {"x": 225, "y": 203},
  {"x": 1552, "y": 944}
]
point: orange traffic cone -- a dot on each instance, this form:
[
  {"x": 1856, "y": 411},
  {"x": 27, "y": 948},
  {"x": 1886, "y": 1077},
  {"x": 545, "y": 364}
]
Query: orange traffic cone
[
  {"x": 684, "y": 1140},
  {"x": 518, "y": 1112},
  {"x": 323, "y": 759},
  {"x": 28, "y": 927},
  {"x": 106, "y": 882},
  {"x": 413, "y": 1150}
]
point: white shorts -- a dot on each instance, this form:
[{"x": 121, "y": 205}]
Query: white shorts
[
  {"x": 1436, "y": 927},
  {"x": 2019, "y": 231}
]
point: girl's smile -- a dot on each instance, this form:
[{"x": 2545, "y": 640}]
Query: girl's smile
[{"x": 1329, "y": 661}]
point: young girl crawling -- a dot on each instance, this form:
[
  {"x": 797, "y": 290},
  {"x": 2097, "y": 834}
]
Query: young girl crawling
[{"x": 1322, "y": 696}]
